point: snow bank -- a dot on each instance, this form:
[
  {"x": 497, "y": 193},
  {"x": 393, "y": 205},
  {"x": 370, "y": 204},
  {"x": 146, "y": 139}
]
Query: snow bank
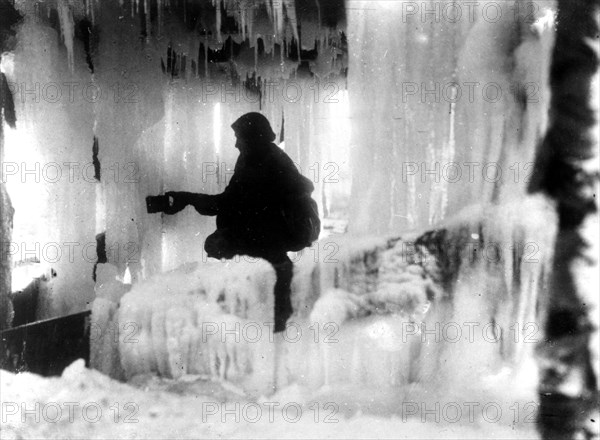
[{"x": 86, "y": 404}]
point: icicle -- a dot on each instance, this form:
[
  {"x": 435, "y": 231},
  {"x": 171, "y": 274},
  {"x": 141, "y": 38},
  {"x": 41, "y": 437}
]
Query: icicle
[
  {"x": 250, "y": 23},
  {"x": 67, "y": 29},
  {"x": 206, "y": 60},
  {"x": 282, "y": 60},
  {"x": 449, "y": 155},
  {"x": 217, "y": 4},
  {"x": 148, "y": 21},
  {"x": 270, "y": 10},
  {"x": 256, "y": 55},
  {"x": 93, "y": 13},
  {"x": 278, "y": 18},
  {"x": 159, "y": 4},
  {"x": 290, "y": 7},
  {"x": 243, "y": 13},
  {"x": 318, "y": 12}
]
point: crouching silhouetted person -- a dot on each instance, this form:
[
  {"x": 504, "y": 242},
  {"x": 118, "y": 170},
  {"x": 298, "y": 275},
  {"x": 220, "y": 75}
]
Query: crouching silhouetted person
[{"x": 265, "y": 211}]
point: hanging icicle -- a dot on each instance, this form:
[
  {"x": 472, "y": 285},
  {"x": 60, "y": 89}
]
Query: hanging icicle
[
  {"x": 256, "y": 54},
  {"x": 290, "y": 9},
  {"x": 242, "y": 18},
  {"x": 67, "y": 30},
  {"x": 217, "y": 5},
  {"x": 92, "y": 9},
  {"x": 206, "y": 60},
  {"x": 449, "y": 151},
  {"x": 278, "y": 18},
  {"x": 159, "y": 8},
  {"x": 148, "y": 21}
]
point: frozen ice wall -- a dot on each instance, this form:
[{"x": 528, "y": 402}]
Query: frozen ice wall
[
  {"x": 448, "y": 100},
  {"x": 46, "y": 156}
]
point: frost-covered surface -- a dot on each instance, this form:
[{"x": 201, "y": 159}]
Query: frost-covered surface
[
  {"x": 373, "y": 344},
  {"x": 86, "y": 404},
  {"x": 424, "y": 308},
  {"x": 185, "y": 321},
  {"x": 176, "y": 319}
]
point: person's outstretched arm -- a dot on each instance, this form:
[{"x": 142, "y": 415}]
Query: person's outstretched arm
[{"x": 205, "y": 204}]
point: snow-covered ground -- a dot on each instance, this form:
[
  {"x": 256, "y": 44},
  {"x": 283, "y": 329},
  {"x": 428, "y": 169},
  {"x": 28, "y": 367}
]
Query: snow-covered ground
[{"x": 84, "y": 403}]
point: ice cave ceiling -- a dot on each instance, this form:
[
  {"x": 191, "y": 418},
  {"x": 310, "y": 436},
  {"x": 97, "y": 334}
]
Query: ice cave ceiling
[{"x": 267, "y": 39}]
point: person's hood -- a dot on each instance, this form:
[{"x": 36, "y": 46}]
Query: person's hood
[{"x": 254, "y": 128}]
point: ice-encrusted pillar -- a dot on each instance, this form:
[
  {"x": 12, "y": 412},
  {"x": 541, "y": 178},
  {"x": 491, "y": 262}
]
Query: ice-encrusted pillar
[{"x": 373, "y": 41}]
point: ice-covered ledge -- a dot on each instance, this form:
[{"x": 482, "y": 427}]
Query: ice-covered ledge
[{"x": 391, "y": 305}]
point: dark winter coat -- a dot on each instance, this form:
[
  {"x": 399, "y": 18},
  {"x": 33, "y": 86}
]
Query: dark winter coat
[{"x": 255, "y": 207}]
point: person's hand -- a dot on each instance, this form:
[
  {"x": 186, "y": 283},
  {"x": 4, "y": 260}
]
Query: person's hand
[{"x": 178, "y": 200}]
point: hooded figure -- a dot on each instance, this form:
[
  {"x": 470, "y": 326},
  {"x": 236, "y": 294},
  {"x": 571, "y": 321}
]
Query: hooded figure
[{"x": 253, "y": 213}]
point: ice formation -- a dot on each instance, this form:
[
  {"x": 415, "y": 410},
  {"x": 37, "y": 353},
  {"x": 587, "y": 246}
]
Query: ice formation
[
  {"x": 157, "y": 132},
  {"x": 189, "y": 323},
  {"x": 67, "y": 29},
  {"x": 415, "y": 309}
]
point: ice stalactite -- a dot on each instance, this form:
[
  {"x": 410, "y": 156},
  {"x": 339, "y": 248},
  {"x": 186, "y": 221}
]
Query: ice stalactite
[
  {"x": 449, "y": 151},
  {"x": 93, "y": 12},
  {"x": 217, "y": 5},
  {"x": 243, "y": 21},
  {"x": 278, "y": 17},
  {"x": 67, "y": 29},
  {"x": 159, "y": 9},
  {"x": 148, "y": 20}
]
